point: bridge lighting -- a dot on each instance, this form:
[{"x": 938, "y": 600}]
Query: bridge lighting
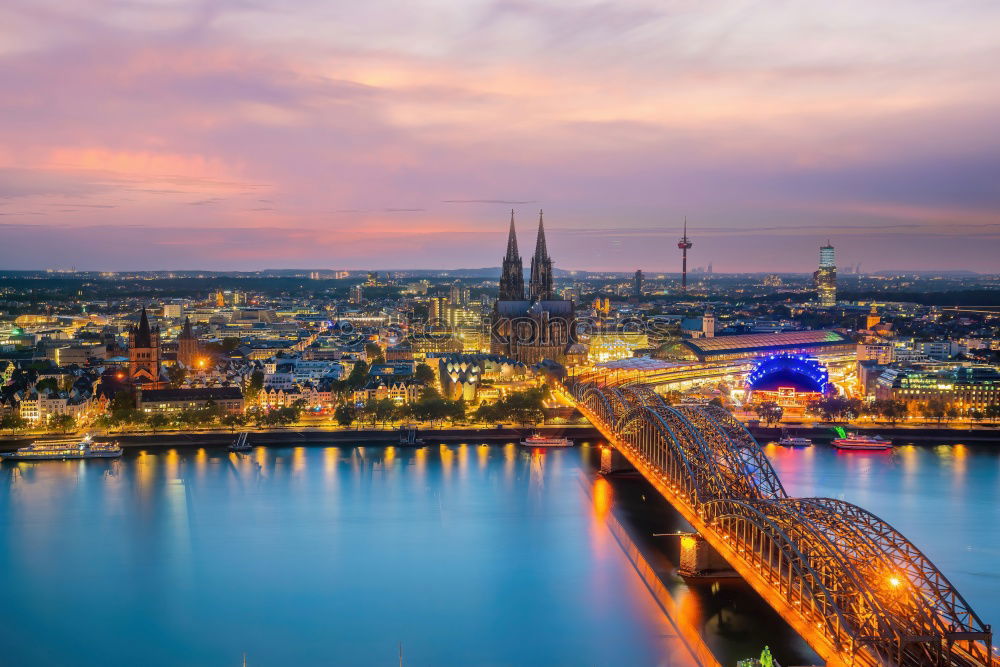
[{"x": 894, "y": 582}]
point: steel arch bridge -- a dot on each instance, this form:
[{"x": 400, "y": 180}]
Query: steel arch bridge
[{"x": 857, "y": 590}]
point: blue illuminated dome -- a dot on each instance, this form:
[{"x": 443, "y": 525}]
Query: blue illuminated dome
[{"x": 798, "y": 371}]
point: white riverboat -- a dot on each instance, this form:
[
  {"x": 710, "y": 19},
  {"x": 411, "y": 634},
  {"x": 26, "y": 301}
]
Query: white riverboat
[
  {"x": 58, "y": 450},
  {"x": 537, "y": 440}
]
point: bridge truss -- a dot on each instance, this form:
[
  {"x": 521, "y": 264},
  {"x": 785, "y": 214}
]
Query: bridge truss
[{"x": 857, "y": 590}]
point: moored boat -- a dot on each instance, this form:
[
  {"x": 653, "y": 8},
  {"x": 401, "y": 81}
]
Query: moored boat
[
  {"x": 58, "y": 450},
  {"x": 794, "y": 441},
  {"x": 875, "y": 442},
  {"x": 536, "y": 440}
]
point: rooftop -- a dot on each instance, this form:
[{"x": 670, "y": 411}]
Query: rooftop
[{"x": 765, "y": 341}]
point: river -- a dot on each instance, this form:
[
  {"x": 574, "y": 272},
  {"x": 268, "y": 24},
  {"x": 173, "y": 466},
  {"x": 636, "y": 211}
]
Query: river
[{"x": 451, "y": 555}]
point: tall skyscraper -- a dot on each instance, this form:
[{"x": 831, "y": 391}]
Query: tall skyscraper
[
  {"x": 512, "y": 274},
  {"x": 541, "y": 267},
  {"x": 826, "y": 276},
  {"x": 684, "y": 244},
  {"x": 637, "y": 286}
]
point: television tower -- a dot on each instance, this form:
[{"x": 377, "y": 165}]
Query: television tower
[{"x": 684, "y": 244}]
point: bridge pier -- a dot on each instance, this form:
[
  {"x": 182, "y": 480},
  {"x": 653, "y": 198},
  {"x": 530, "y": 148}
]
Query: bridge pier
[{"x": 699, "y": 559}]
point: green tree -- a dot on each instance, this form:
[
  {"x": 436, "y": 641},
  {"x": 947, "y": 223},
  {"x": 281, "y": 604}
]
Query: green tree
[
  {"x": 892, "y": 411},
  {"x": 992, "y": 411},
  {"x": 487, "y": 413},
  {"x": 62, "y": 423},
  {"x": 423, "y": 374},
  {"x": 358, "y": 376},
  {"x": 157, "y": 421},
  {"x": 13, "y": 422},
  {"x": 176, "y": 375},
  {"x": 234, "y": 420},
  {"x": 374, "y": 353},
  {"x": 254, "y": 386},
  {"x": 935, "y": 409},
  {"x": 47, "y": 386},
  {"x": 345, "y": 414},
  {"x": 769, "y": 411},
  {"x": 385, "y": 410}
]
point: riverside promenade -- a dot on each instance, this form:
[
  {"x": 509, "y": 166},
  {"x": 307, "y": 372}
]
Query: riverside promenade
[{"x": 293, "y": 435}]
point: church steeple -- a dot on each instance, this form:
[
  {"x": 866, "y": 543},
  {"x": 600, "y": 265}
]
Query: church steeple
[
  {"x": 512, "y": 273},
  {"x": 541, "y": 267}
]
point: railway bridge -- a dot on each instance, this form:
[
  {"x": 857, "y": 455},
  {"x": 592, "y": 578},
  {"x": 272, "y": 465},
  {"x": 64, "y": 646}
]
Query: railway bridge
[{"x": 851, "y": 585}]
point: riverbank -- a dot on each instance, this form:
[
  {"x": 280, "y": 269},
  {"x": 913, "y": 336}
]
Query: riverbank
[
  {"x": 306, "y": 436},
  {"x": 900, "y": 435}
]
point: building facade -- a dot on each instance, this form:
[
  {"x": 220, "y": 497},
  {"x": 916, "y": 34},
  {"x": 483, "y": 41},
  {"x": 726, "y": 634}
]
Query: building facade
[
  {"x": 541, "y": 327},
  {"x": 826, "y": 277},
  {"x": 144, "y": 353}
]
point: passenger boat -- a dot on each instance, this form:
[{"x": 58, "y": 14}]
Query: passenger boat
[
  {"x": 241, "y": 443},
  {"x": 794, "y": 441},
  {"x": 57, "y": 450},
  {"x": 875, "y": 442},
  {"x": 537, "y": 440}
]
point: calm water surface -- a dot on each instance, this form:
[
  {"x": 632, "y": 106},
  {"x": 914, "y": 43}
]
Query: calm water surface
[
  {"x": 317, "y": 556},
  {"x": 946, "y": 500},
  {"x": 465, "y": 554}
]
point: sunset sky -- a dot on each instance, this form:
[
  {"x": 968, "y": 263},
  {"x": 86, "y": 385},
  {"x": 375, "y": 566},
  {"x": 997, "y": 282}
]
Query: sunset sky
[{"x": 248, "y": 134}]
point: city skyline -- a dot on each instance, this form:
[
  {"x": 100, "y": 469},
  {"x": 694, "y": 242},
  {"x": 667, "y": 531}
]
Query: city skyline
[{"x": 234, "y": 137}]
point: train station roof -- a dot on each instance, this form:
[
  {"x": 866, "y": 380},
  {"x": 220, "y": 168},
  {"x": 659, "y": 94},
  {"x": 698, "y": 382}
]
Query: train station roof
[{"x": 765, "y": 342}]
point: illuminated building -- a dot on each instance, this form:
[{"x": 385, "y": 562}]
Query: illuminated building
[
  {"x": 790, "y": 380},
  {"x": 526, "y": 330},
  {"x": 605, "y": 346},
  {"x": 966, "y": 388},
  {"x": 818, "y": 343},
  {"x": 436, "y": 312},
  {"x": 873, "y": 319},
  {"x": 187, "y": 346},
  {"x": 826, "y": 277},
  {"x": 144, "y": 353},
  {"x": 458, "y": 295},
  {"x": 357, "y": 294},
  {"x": 172, "y": 401}
]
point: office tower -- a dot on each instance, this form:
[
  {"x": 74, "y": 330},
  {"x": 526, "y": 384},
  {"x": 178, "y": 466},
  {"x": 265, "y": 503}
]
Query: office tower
[
  {"x": 826, "y": 276},
  {"x": 637, "y": 286}
]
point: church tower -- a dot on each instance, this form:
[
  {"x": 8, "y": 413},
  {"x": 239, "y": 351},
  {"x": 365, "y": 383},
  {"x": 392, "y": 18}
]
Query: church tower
[
  {"x": 144, "y": 352},
  {"x": 541, "y": 267},
  {"x": 512, "y": 276},
  {"x": 187, "y": 346}
]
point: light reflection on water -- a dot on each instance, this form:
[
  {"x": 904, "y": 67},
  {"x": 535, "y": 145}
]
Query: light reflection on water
[
  {"x": 946, "y": 500},
  {"x": 313, "y": 555}
]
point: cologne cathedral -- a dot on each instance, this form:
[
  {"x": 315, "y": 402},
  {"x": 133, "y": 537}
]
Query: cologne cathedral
[{"x": 537, "y": 326}]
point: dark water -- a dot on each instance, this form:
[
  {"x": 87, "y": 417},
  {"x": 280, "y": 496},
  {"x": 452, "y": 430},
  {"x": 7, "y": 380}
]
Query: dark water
[
  {"x": 317, "y": 556},
  {"x": 465, "y": 554}
]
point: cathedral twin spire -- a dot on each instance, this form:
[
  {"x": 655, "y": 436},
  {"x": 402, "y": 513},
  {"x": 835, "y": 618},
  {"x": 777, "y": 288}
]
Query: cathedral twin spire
[{"x": 512, "y": 275}]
